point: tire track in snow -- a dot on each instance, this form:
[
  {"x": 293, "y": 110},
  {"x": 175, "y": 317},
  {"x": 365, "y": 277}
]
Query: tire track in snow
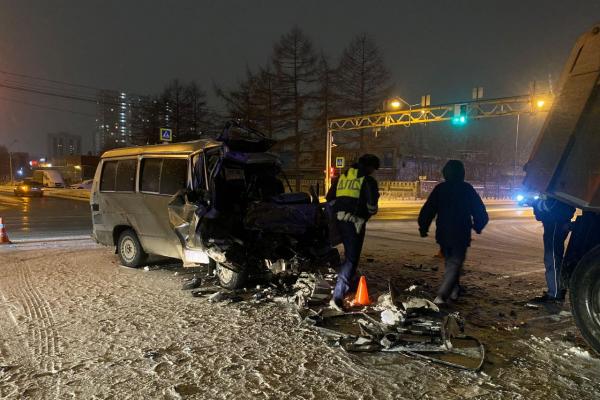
[{"x": 46, "y": 342}]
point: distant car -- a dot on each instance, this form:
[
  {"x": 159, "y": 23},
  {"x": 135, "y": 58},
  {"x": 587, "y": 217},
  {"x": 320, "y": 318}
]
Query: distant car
[
  {"x": 527, "y": 199},
  {"x": 87, "y": 185},
  {"x": 29, "y": 187}
]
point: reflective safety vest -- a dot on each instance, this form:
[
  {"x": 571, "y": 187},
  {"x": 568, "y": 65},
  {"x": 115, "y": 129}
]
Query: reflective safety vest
[{"x": 349, "y": 184}]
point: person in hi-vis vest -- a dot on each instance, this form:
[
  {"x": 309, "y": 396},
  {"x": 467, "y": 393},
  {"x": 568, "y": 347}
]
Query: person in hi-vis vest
[{"x": 353, "y": 196}]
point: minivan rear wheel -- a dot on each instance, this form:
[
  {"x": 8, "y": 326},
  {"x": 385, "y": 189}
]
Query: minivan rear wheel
[
  {"x": 229, "y": 278},
  {"x": 130, "y": 250}
]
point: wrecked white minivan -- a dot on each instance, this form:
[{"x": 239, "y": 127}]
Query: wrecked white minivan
[{"x": 221, "y": 202}]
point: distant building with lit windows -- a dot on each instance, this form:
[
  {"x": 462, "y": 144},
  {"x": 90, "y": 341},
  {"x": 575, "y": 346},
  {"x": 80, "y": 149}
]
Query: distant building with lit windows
[
  {"x": 63, "y": 144},
  {"x": 113, "y": 121}
]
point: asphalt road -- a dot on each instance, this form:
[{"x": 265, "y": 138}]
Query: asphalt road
[
  {"x": 49, "y": 217},
  {"x": 45, "y": 217}
]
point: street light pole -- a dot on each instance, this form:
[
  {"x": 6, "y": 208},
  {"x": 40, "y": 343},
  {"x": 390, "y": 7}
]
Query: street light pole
[
  {"x": 10, "y": 168},
  {"x": 328, "y": 147},
  {"x": 516, "y": 152},
  {"x": 10, "y": 164}
]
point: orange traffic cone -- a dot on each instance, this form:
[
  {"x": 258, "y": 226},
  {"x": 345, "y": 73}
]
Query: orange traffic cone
[
  {"x": 362, "y": 294},
  {"x": 3, "y": 235}
]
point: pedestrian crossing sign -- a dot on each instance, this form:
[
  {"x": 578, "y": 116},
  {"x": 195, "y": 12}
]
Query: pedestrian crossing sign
[
  {"x": 166, "y": 135},
  {"x": 339, "y": 162}
]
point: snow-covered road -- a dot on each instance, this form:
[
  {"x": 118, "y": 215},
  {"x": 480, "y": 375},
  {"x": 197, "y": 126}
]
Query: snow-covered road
[{"x": 74, "y": 324}]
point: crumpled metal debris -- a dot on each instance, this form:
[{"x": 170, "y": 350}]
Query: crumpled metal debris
[
  {"x": 416, "y": 303},
  {"x": 311, "y": 289},
  {"x": 192, "y": 283},
  {"x": 420, "y": 331}
]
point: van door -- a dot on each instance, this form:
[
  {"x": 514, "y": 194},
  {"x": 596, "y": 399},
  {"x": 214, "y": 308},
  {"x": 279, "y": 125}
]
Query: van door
[
  {"x": 160, "y": 178},
  {"x": 114, "y": 198}
]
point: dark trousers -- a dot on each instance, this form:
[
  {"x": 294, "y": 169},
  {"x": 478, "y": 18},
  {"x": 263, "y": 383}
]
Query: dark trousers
[
  {"x": 347, "y": 280},
  {"x": 454, "y": 257},
  {"x": 555, "y": 235}
]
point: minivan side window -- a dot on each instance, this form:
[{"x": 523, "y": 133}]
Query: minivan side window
[
  {"x": 107, "y": 179},
  {"x": 125, "y": 181},
  {"x": 150, "y": 176},
  {"x": 173, "y": 175},
  {"x": 118, "y": 176},
  {"x": 164, "y": 176}
]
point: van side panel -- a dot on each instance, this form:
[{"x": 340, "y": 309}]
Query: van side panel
[{"x": 146, "y": 213}]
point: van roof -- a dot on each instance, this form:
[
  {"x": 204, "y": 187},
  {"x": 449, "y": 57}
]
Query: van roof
[{"x": 173, "y": 148}]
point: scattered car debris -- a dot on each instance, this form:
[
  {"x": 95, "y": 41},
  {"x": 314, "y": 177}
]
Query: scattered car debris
[
  {"x": 412, "y": 325},
  {"x": 415, "y": 303},
  {"x": 192, "y": 283}
]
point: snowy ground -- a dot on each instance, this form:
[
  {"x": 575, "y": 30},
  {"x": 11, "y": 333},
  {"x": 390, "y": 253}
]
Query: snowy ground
[{"x": 76, "y": 325}]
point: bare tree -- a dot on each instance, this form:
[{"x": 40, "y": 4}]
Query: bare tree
[
  {"x": 194, "y": 112},
  {"x": 173, "y": 98},
  {"x": 363, "y": 81},
  {"x": 240, "y": 102},
  {"x": 294, "y": 61}
]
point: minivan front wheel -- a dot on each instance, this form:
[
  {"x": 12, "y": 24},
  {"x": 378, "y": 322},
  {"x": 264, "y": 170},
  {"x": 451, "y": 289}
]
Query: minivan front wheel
[
  {"x": 230, "y": 279},
  {"x": 130, "y": 249}
]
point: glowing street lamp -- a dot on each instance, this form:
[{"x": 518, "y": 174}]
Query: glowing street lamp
[
  {"x": 395, "y": 104},
  {"x": 540, "y": 103}
]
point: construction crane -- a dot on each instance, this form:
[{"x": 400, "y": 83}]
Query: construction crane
[{"x": 457, "y": 113}]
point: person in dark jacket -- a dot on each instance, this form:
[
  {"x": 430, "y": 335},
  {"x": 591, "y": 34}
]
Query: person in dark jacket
[
  {"x": 354, "y": 196},
  {"x": 555, "y": 216},
  {"x": 459, "y": 209}
]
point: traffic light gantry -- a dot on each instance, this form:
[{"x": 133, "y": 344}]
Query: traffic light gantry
[{"x": 457, "y": 113}]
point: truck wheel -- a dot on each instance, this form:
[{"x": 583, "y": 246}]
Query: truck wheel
[
  {"x": 585, "y": 297},
  {"x": 230, "y": 279},
  {"x": 130, "y": 249}
]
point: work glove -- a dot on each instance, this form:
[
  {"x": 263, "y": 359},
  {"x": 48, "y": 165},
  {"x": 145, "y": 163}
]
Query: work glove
[
  {"x": 478, "y": 231},
  {"x": 423, "y": 233}
]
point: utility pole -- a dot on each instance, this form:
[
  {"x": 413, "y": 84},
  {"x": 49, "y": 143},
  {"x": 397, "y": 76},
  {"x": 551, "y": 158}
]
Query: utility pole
[
  {"x": 10, "y": 163},
  {"x": 516, "y": 152}
]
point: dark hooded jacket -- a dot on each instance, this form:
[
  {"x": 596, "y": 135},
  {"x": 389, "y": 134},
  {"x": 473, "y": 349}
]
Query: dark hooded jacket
[{"x": 457, "y": 206}]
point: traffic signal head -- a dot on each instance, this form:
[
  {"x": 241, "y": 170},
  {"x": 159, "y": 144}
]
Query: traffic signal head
[{"x": 460, "y": 114}]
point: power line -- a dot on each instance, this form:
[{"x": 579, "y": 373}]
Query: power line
[
  {"x": 50, "y": 80},
  {"x": 60, "y": 93},
  {"x": 47, "y": 107}
]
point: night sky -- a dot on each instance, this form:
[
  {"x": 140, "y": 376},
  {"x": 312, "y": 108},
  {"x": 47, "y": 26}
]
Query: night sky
[{"x": 439, "y": 47}]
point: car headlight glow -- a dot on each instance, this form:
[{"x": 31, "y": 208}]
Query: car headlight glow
[
  {"x": 536, "y": 197},
  {"x": 520, "y": 197}
]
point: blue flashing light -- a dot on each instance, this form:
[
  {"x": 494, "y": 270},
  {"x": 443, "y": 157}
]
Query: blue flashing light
[{"x": 520, "y": 197}]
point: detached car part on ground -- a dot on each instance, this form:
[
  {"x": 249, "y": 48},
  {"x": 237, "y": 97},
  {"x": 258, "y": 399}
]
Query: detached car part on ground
[{"x": 239, "y": 215}]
